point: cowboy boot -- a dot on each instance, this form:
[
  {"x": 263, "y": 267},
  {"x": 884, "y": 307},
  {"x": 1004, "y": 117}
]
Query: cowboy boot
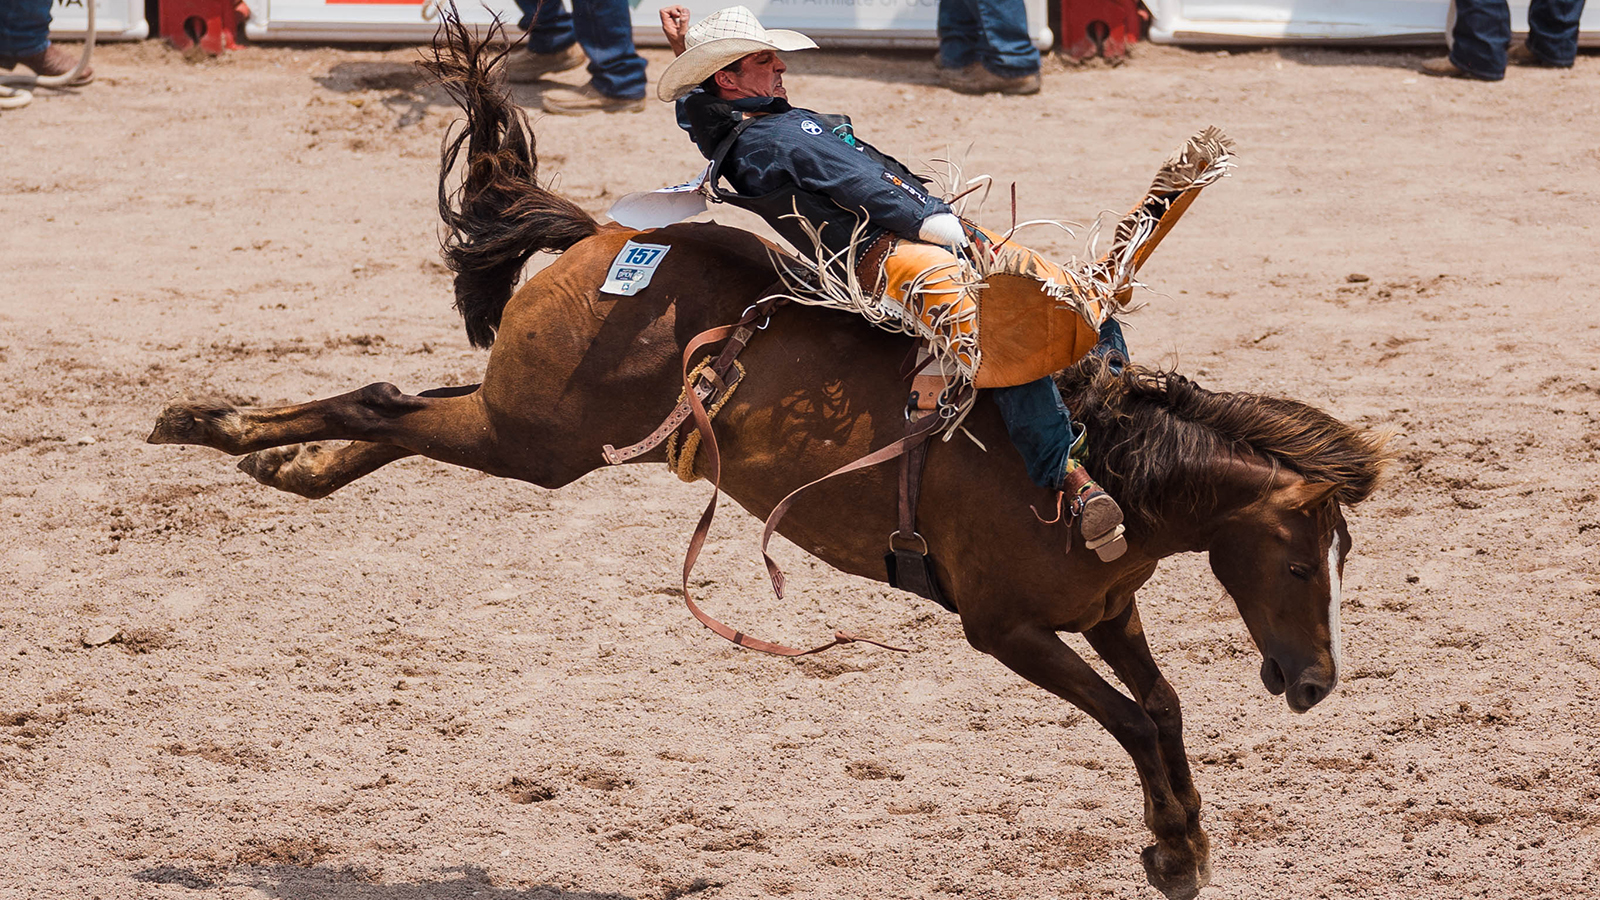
[{"x": 1099, "y": 517}]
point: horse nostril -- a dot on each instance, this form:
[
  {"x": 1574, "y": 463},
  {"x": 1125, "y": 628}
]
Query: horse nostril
[
  {"x": 1272, "y": 676},
  {"x": 1305, "y": 695}
]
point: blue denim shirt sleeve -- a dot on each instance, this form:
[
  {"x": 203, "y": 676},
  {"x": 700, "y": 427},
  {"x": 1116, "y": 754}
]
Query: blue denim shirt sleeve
[{"x": 793, "y": 147}]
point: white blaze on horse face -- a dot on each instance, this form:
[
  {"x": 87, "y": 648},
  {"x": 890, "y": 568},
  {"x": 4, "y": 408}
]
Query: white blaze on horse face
[{"x": 1334, "y": 588}]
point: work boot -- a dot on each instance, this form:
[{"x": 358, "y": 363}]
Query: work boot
[
  {"x": 50, "y": 61},
  {"x": 1099, "y": 517},
  {"x": 566, "y": 101},
  {"x": 1444, "y": 68},
  {"x": 1523, "y": 55},
  {"x": 525, "y": 68},
  {"x": 975, "y": 79}
]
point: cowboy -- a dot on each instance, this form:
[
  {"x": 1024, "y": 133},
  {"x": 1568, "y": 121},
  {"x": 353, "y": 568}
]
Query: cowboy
[{"x": 840, "y": 200}]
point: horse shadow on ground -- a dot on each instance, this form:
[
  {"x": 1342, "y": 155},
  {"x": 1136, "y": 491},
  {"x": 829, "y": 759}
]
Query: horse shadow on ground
[
  {"x": 408, "y": 90},
  {"x": 1408, "y": 56},
  {"x": 892, "y": 67},
  {"x": 284, "y": 882}
]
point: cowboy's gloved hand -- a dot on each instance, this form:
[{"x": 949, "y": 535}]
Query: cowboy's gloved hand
[{"x": 943, "y": 229}]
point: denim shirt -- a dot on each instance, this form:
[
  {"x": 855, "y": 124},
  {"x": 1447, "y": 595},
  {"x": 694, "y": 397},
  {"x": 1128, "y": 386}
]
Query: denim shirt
[{"x": 820, "y": 155}]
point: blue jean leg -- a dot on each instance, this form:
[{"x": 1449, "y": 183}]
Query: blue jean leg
[
  {"x": 1041, "y": 429},
  {"x": 605, "y": 32},
  {"x": 603, "y": 28},
  {"x": 960, "y": 35},
  {"x": 1482, "y": 34},
  {"x": 1111, "y": 341},
  {"x": 993, "y": 32},
  {"x": 548, "y": 24},
  {"x": 24, "y": 27},
  {"x": 1553, "y": 30},
  {"x": 1040, "y": 425}
]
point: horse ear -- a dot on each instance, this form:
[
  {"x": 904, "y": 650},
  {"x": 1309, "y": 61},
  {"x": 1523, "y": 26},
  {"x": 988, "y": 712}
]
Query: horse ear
[{"x": 1308, "y": 495}]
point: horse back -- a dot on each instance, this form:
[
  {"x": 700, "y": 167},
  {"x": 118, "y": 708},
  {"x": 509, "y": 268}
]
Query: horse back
[{"x": 573, "y": 369}]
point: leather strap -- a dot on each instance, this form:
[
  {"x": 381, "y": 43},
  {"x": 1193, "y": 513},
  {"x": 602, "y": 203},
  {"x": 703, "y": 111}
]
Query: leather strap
[
  {"x": 925, "y": 392},
  {"x": 920, "y": 431},
  {"x": 869, "y": 266},
  {"x": 908, "y": 568},
  {"x": 712, "y": 382},
  {"x": 911, "y": 465},
  {"x": 697, "y": 541}
]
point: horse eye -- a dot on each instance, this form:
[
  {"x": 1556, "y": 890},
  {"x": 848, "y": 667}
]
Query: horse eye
[{"x": 1301, "y": 572}]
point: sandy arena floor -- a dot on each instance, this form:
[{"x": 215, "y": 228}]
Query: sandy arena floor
[{"x": 439, "y": 685}]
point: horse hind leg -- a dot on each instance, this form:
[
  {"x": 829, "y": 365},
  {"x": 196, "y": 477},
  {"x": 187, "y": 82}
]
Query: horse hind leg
[
  {"x": 316, "y": 470},
  {"x": 452, "y": 426}
]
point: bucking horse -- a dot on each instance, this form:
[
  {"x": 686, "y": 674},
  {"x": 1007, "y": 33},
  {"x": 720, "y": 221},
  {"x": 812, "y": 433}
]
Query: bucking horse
[{"x": 1258, "y": 483}]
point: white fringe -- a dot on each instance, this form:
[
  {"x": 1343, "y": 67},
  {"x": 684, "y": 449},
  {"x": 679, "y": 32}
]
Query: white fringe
[{"x": 831, "y": 280}]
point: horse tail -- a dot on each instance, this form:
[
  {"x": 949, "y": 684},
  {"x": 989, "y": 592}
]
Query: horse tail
[{"x": 498, "y": 216}]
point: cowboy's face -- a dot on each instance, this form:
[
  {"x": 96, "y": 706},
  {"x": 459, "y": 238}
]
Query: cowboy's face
[{"x": 759, "y": 75}]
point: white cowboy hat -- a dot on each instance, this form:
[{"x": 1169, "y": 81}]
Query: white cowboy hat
[{"x": 719, "y": 39}]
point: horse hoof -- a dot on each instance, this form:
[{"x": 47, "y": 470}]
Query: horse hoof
[
  {"x": 1176, "y": 878},
  {"x": 286, "y": 468},
  {"x": 1202, "y": 852},
  {"x": 191, "y": 423}
]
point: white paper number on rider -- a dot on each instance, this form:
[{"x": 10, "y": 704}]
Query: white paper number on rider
[{"x": 633, "y": 268}]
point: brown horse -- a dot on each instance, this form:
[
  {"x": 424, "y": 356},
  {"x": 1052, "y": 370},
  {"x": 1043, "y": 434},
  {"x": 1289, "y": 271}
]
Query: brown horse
[{"x": 1256, "y": 482}]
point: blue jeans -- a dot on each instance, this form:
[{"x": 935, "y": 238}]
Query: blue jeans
[
  {"x": 1482, "y": 34},
  {"x": 24, "y": 27},
  {"x": 993, "y": 32},
  {"x": 603, "y": 28},
  {"x": 1040, "y": 425}
]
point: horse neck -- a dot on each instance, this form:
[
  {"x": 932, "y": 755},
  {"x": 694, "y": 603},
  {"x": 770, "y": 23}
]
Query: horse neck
[{"x": 1236, "y": 481}]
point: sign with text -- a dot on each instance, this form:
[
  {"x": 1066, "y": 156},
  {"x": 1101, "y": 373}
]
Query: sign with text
[
  {"x": 114, "y": 20},
  {"x": 833, "y": 23}
]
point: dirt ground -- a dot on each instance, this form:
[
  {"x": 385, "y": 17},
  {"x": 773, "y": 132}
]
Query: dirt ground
[{"x": 435, "y": 684}]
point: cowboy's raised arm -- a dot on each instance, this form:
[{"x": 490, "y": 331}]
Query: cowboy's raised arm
[{"x": 674, "y": 24}]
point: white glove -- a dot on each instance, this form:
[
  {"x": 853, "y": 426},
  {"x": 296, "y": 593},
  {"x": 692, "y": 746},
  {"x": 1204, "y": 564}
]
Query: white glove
[{"x": 943, "y": 229}]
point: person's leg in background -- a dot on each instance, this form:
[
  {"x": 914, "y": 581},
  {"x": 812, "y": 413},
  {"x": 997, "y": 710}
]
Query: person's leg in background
[
  {"x": 25, "y": 40},
  {"x": 1552, "y": 33},
  {"x": 985, "y": 47},
  {"x": 552, "y": 42},
  {"x": 24, "y": 30},
  {"x": 1011, "y": 53},
  {"x": 604, "y": 30},
  {"x": 1479, "y": 35},
  {"x": 959, "y": 34}
]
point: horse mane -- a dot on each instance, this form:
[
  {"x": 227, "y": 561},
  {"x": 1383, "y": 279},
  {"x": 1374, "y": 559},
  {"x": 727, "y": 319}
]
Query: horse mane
[{"x": 1155, "y": 436}]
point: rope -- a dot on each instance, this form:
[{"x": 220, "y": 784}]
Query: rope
[{"x": 682, "y": 464}]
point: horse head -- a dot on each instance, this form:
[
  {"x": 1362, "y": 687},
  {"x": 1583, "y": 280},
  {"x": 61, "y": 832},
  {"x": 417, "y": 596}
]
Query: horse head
[{"x": 1281, "y": 558}]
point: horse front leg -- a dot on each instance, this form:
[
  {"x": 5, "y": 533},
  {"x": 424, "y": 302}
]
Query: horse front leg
[
  {"x": 450, "y": 426},
  {"x": 1174, "y": 865},
  {"x": 1121, "y": 643}
]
